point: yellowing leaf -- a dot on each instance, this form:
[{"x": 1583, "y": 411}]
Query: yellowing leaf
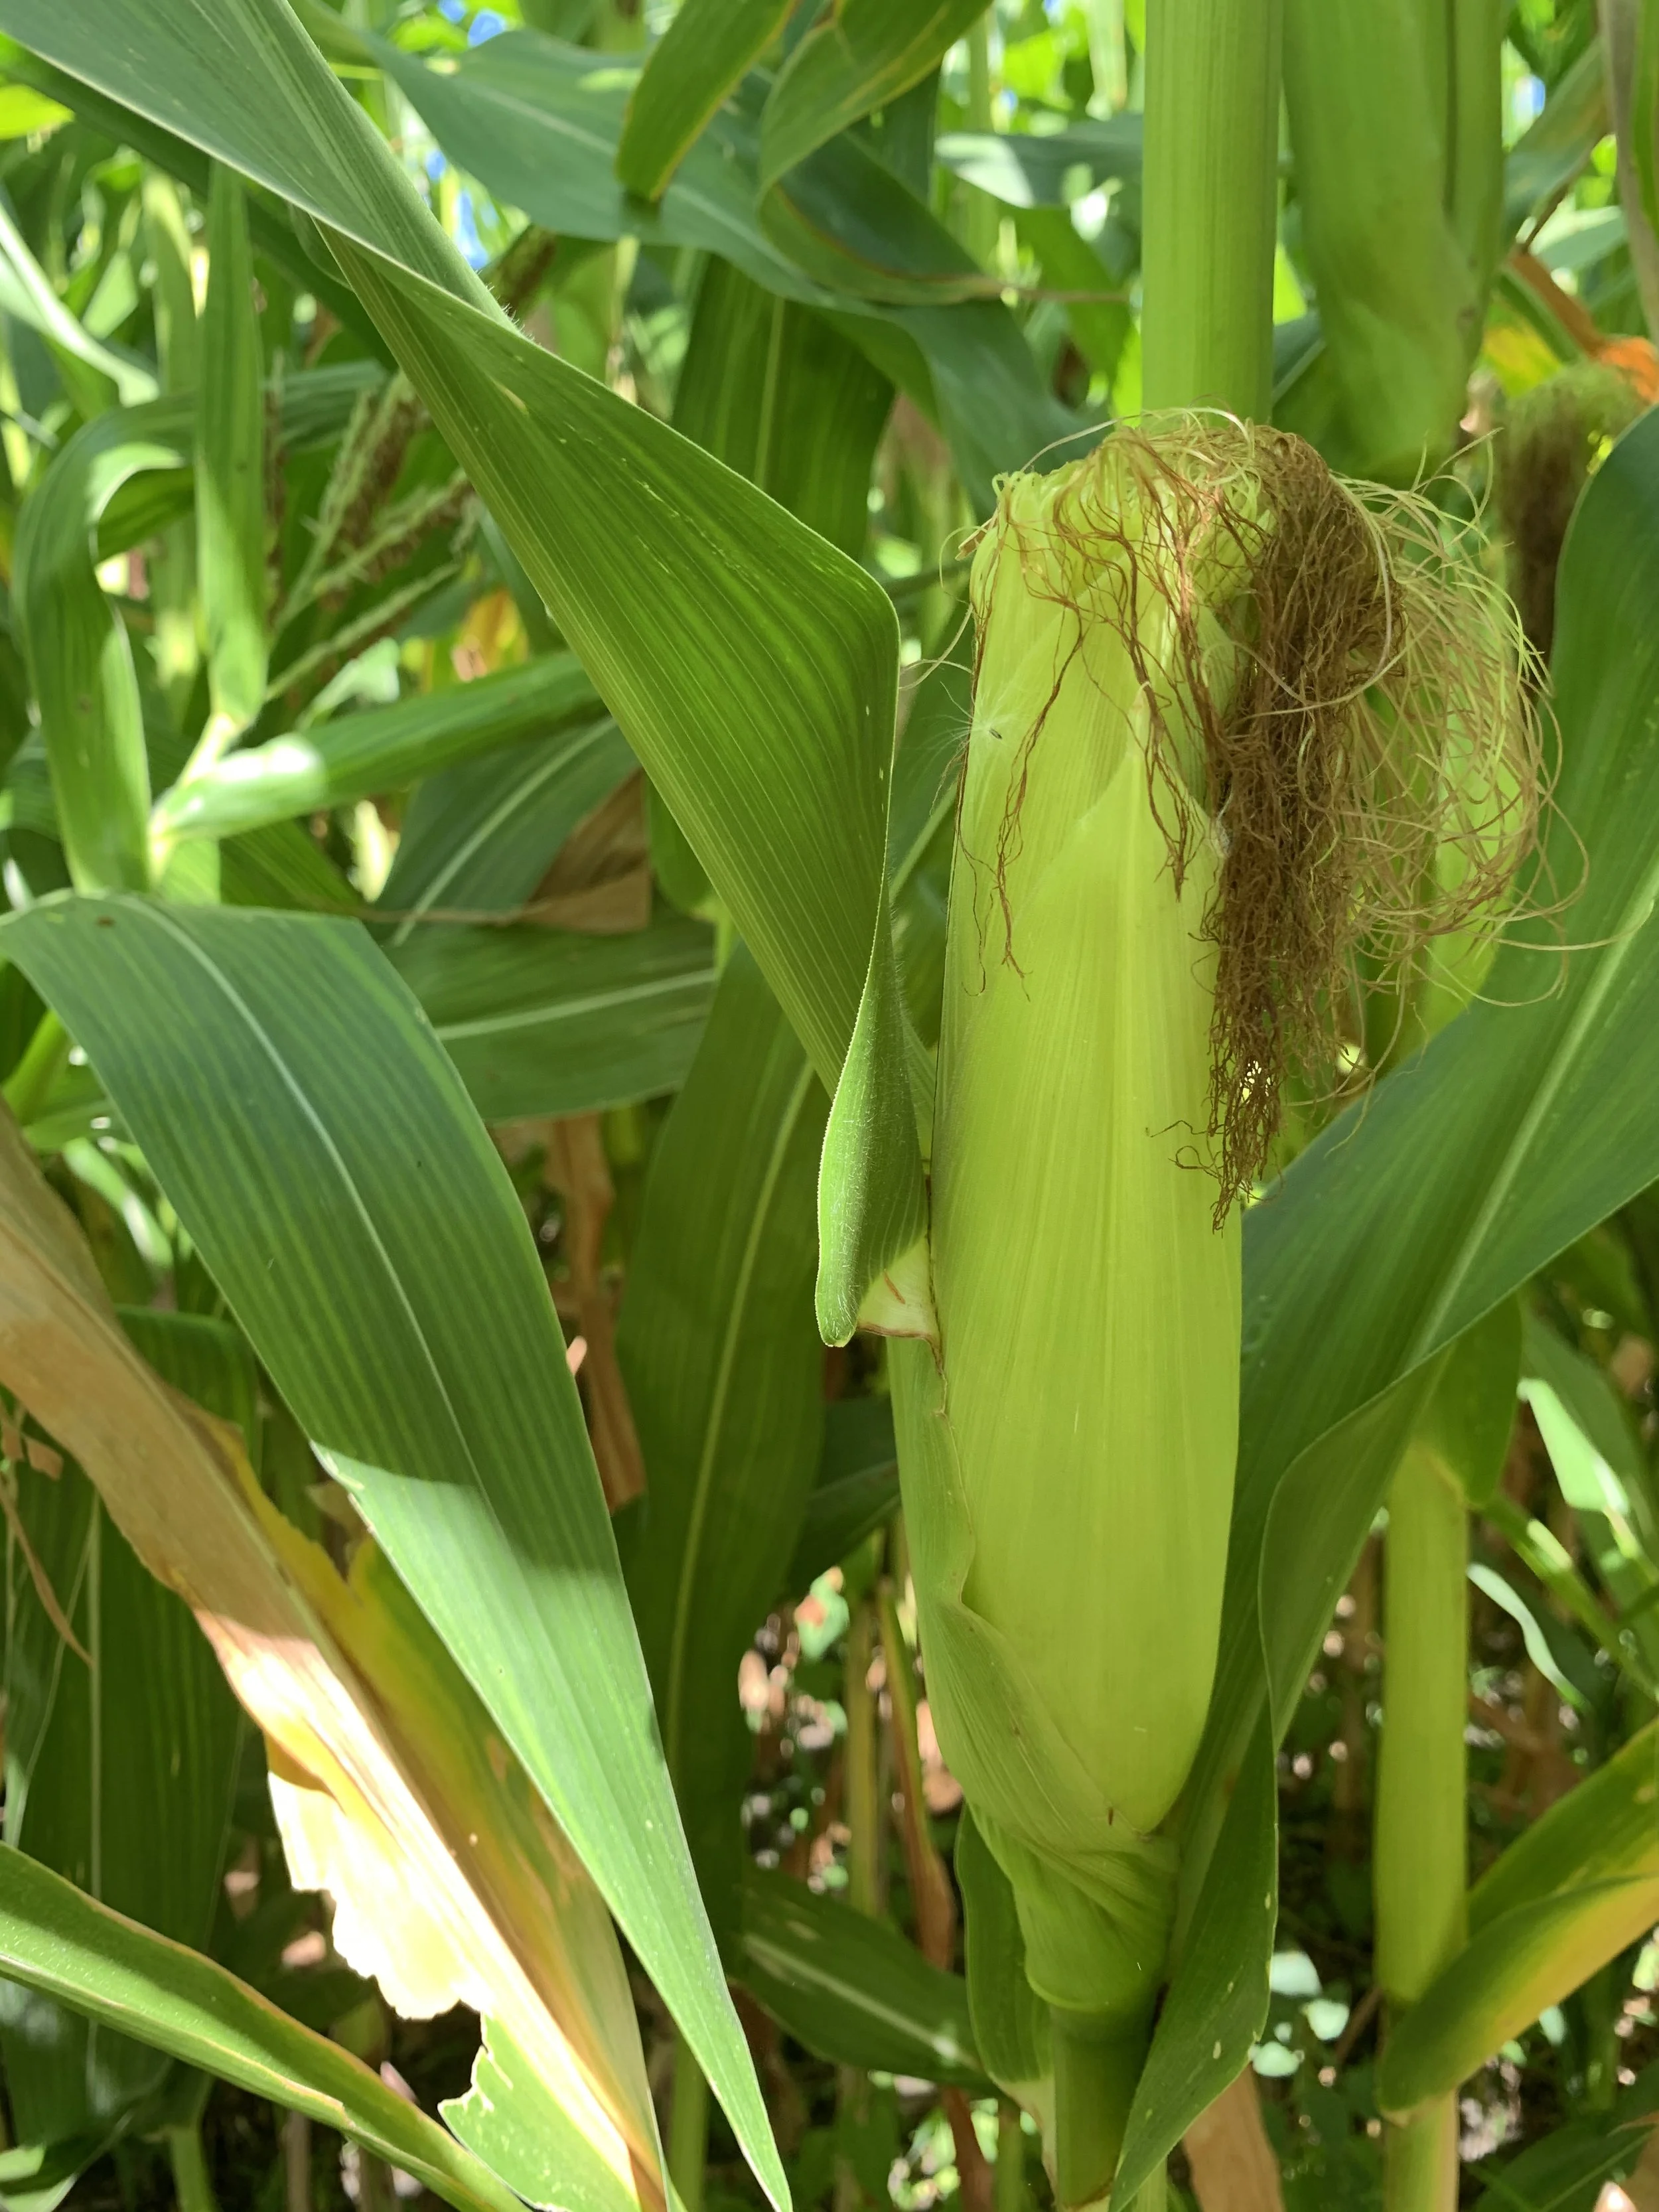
[{"x": 452, "y": 1882}]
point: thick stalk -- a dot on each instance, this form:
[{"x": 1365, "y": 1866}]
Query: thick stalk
[
  {"x": 1210, "y": 203},
  {"x": 1420, "y": 1864},
  {"x": 688, "y": 2129}
]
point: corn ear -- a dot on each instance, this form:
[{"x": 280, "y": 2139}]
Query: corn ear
[
  {"x": 1197, "y": 769},
  {"x": 1069, "y": 1471}
]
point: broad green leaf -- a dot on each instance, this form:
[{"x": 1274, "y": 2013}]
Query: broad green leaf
[
  {"x": 451, "y": 1882},
  {"x": 776, "y": 393},
  {"x": 873, "y": 1267},
  {"x": 861, "y": 57},
  {"x": 274, "y": 234},
  {"x": 844, "y": 218},
  {"x": 206, "y": 1359},
  {"x": 1581, "y": 1884},
  {"x": 706, "y": 49},
  {"x": 754, "y": 678},
  {"x": 543, "y": 1022},
  {"x": 786, "y": 812},
  {"x": 1541, "y": 1552},
  {"x": 724, "y": 1371},
  {"x": 71, "y": 1948},
  {"x": 1560, "y": 1656},
  {"x": 1027, "y": 170},
  {"x": 851, "y": 1988},
  {"x": 79, "y": 654},
  {"x": 416, "y": 1344},
  {"x": 230, "y": 477},
  {"x": 333, "y": 763},
  {"x": 480, "y": 837},
  {"x": 762, "y": 394},
  {"x": 281, "y": 865},
  {"x": 540, "y": 125},
  {"x": 1097, "y": 295},
  {"x": 178, "y": 332}
]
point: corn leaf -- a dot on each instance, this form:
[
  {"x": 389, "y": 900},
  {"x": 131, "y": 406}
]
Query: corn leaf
[
  {"x": 544, "y": 1022},
  {"x": 778, "y": 394},
  {"x": 843, "y": 217},
  {"x": 540, "y": 125},
  {"x": 79, "y": 656},
  {"x": 861, "y": 57},
  {"x": 706, "y": 51},
  {"x": 725, "y": 1374},
  {"x": 58, "y": 1941},
  {"x": 417, "y": 1347},
  {"x": 450, "y": 1881},
  {"x": 273, "y": 233},
  {"x": 230, "y": 480},
  {"x": 376, "y": 749},
  {"x": 851, "y": 1988},
  {"x": 480, "y": 837}
]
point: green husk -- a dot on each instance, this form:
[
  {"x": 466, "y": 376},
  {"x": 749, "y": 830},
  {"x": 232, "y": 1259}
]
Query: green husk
[{"x": 1197, "y": 772}]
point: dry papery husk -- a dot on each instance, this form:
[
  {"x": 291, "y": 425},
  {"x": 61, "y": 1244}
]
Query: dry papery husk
[{"x": 1333, "y": 692}]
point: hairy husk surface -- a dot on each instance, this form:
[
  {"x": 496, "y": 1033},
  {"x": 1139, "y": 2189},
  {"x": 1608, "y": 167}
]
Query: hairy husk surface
[{"x": 1228, "y": 713}]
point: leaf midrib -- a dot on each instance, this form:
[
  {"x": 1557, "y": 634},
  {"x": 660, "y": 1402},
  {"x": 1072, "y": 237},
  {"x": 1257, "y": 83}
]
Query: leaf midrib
[{"x": 561, "y": 1009}]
